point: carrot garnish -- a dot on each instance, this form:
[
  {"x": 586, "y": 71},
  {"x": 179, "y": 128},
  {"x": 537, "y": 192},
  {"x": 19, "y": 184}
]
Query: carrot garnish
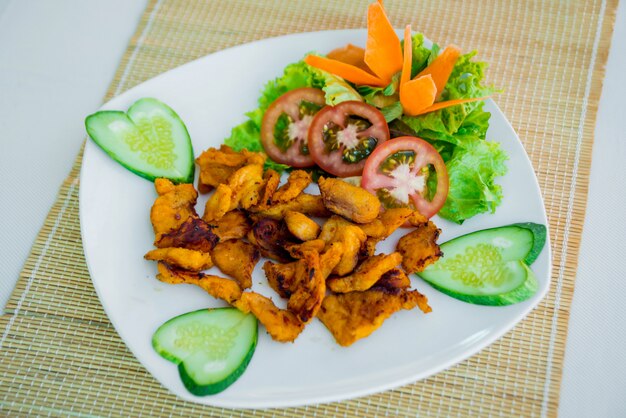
[
  {"x": 448, "y": 103},
  {"x": 417, "y": 94},
  {"x": 383, "y": 53},
  {"x": 350, "y": 54},
  {"x": 345, "y": 71},
  {"x": 441, "y": 68}
]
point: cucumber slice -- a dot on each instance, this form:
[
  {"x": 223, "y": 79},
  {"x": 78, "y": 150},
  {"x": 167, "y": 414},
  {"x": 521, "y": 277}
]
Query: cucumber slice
[
  {"x": 489, "y": 267},
  {"x": 212, "y": 347},
  {"x": 150, "y": 140}
]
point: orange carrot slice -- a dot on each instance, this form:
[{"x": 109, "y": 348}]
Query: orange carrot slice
[
  {"x": 408, "y": 56},
  {"x": 343, "y": 70},
  {"x": 383, "y": 53},
  {"x": 350, "y": 54},
  {"x": 441, "y": 68},
  {"x": 448, "y": 103},
  {"x": 417, "y": 94}
]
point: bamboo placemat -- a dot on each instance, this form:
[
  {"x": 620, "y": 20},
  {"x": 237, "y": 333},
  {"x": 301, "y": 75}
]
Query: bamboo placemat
[{"x": 60, "y": 355}]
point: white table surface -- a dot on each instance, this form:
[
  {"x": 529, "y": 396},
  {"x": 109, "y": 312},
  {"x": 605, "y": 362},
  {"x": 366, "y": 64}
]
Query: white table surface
[{"x": 48, "y": 84}]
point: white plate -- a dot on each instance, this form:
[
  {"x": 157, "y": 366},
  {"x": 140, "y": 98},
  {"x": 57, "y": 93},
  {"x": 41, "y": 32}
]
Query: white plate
[{"x": 211, "y": 96}]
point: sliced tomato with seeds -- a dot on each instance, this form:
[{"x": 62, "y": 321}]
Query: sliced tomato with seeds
[
  {"x": 341, "y": 137},
  {"x": 285, "y": 126},
  {"x": 398, "y": 172}
]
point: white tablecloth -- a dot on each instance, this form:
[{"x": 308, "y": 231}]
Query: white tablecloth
[{"x": 57, "y": 59}]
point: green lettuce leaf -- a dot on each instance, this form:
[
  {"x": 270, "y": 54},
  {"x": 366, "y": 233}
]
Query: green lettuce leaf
[
  {"x": 338, "y": 90},
  {"x": 472, "y": 171}
]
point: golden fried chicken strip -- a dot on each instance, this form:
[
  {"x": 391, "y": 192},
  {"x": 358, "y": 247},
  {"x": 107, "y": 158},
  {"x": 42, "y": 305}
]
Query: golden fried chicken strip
[
  {"x": 281, "y": 277},
  {"x": 218, "y": 287},
  {"x": 419, "y": 248},
  {"x": 355, "y": 315},
  {"x": 297, "y": 250},
  {"x": 193, "y": 234},
  {"x": 246, "y": 184},
  {"x": 218, "y": 204},
  {"x": 301, "y": 226},
  {"x": 218, "y": 165},
  {"x": 394, "y": 278},
  {"x": 298, "y": 181},
  {"x": 181, "y": 257},
  {"x": 237, "y": 259},
  {"x": 271, "y": 180},
  {"x": 330, "y": 258},
  {"x": 174, "y": 206},
  {"x": 309, "y": 289},
  {"x": 281, "y": 324},
  {"x": 306, "y": 204},
  {"x": 337, "y": 229},
  {"x": 351, "y": 202},
  {"x": 366, "y": 275},
  {"x": 233, "y": 225}
]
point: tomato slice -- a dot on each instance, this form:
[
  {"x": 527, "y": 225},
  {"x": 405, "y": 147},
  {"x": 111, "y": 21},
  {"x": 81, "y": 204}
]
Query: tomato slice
[
  {"x": 286, "y": 123},
  {"x": 398, "y": 172},
  {"x": 341, "y": 137}
]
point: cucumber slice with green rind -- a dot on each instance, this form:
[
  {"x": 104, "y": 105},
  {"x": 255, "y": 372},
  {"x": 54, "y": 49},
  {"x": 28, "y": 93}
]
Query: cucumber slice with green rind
[
  {"x": 212, "y": 347},
  {"x": 489, "y": 267},
  {"x": 150, "y": 140}
]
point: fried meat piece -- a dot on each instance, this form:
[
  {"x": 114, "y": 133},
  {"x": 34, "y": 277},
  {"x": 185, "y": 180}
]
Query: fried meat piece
[
  {"x": 218, "y": 287},
  {"x": 419, "y": 248},
  {"x": 174, "y": 206},
  {"x": 297, "y": 250},
  {"x": 233, "y": 225},
  {"x": 309, "y": 288},
  {"x": 193, "y": 234},
  {"x": 351, "y": 202},
  {"x": 181, "y": 257},
  {"x": 218, "y": 204},
  {"x": 298, "y": 181},
  {"x": 366, "y": 275},
  {"x": 246, "y": 184},
  {"x": 271, "y": 237},
  {"x": 281, "y": 277},
  {"x": 281, "y": 324},
  {"x": 306, "y": 204},
  {"x": 218, "y": 165},
  {"x": 271, "y": 181},
  {"x": 393, "y": 279},
  {"x": 355, "y": 315},
  {"x": 301, "y": 226},
  {"x": 237, "y": 259},
  {"x": 337, "y": 229}
]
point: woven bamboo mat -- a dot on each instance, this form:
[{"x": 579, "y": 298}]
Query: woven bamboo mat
[{"x": 60, "y": 355}]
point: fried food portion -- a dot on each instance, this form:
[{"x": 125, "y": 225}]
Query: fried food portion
[
  {"x": 193, "y": 234},
  {"x": 271, "y": 181},
  {"x": 233, "y": 225},
  {"x": 218, "y": 165},
  {"x": 297, "y": 250},
  {"x": 330, "y": 258},
  {"x": 281, "y": 324},
  {"x": 218, "y": 204},
  {"x": 352, "y": 238},
  {"x": 355, "y": 315},
  {"x": 246, "y": 184},
  {"x": 298, "y": 181},
  {"x": 271, "y": 237},
  {"x": 237, "y": 259},
  {"x": 366, "y": 275},
  {"x": 393, "y": 279},
  {"x": 281, "y": 277},
  {"x": 306, "y": 204},
  {"x": 218, "y": 287},
  {"x": 419, "y": 248},
  {"x": 309, "y": 289},
  {"x": 181, "y": 257},
  {"x": 174, "y": 206},
  {"x": 351, "y": 202},
  {"x": 301, "y": 226}
]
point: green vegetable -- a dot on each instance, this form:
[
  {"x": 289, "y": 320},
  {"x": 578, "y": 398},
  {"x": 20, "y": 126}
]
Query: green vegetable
[
  {"x": 472, "y": 171},
  {"x": 338, "y": 90},
  {"x": 248, "y": 134},
  {"x": 212, "y": 347},
  {"x": 489, "y": 267},
  {"x": 150, "y": 140}
]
